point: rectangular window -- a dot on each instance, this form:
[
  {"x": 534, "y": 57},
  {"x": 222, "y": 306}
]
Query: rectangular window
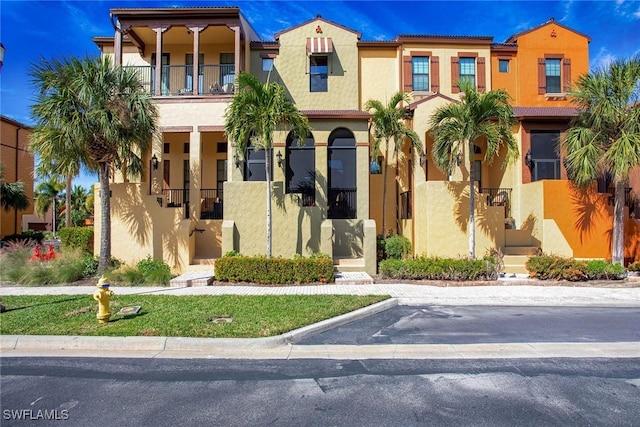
[
  {"x": 166, "y": 148},
  {"x": 255, "y": 164},
  {"x": 185, "y": 148},
  {"x": 544, "y": 155},
  {"x": 552, "y": 73},
  {"x": 503, "y": 65},
  {"x": 319, "y": 73},
  {"x": 468, "y": 70},
  {"x": 420, "y": 71},
  {"x": 267, "y": 64}
]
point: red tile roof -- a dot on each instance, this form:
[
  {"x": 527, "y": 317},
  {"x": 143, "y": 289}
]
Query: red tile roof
[{"x": 545, "y": 111}]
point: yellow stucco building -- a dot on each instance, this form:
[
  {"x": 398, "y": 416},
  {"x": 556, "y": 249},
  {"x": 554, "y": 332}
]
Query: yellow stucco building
[{"x": 201, "y": 199}]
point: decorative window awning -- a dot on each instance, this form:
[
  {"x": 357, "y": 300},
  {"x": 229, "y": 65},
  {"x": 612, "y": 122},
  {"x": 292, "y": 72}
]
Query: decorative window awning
[{"x": 319, "y": 45}]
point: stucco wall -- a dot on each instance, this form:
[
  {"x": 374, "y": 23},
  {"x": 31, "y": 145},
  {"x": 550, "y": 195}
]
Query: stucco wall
[
  {"x": 447, "y": 51},
  {"x": 441, "y": 220},
  {"x": 379, "y": 74},
  {"x": 292, "y": 65},
  {"x": 548, "y": 39},
  {"x": 18, "y": 164},
  {"x": 140, "y": 227}
]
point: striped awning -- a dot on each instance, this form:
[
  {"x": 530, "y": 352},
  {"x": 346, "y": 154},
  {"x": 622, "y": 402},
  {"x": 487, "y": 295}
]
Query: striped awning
[{"x": 320, "y": 45}]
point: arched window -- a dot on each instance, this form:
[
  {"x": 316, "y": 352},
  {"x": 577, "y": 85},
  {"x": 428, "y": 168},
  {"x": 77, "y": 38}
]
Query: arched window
[
  {"x": 342, "y": 193},
  {"x": 254, "y": 165},
  {"x": 301, "y": 169}
]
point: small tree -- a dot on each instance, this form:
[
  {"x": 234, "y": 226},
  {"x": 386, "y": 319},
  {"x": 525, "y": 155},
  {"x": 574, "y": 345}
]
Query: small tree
[
  {"x": 256, "y": 112},
  {"x": 605, "y": 137},
  {"x": 98, "y": 113},
  {"x": 388, "y": 126},
  {"x": 456, "y": 125}
]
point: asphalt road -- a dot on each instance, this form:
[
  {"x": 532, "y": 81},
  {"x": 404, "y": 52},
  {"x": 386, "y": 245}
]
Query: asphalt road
[
  {"x": 487, "y": 324},
  {"x": 162, "y": 392}
]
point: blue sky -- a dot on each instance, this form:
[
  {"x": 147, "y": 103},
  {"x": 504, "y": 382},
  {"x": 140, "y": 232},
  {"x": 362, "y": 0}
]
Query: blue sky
[{"x": 33, "y": 29}]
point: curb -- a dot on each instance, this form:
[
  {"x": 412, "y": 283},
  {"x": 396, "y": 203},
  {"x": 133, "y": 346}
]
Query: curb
[{"x": 177, "y": 344}]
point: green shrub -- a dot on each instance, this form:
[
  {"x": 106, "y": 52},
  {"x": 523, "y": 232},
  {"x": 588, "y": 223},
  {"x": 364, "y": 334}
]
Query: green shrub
[
  {"x": 553, "y": 267},
  {"x": 397, "y": 247},
  {"x": 127, "y": 276},
  {"x": 634, "y": 266},
  {"x": 28, "y": 235},
  {"x": 263, "y": 270},
  {"x": 90, "y": 265},
  {"x": 77, "y": 238},
  {"x": 435, "y": 268},
  {"x": 603, "y": 270},
  {"x": 380, "y": 253},
  {"x": 154, "y": 271}
]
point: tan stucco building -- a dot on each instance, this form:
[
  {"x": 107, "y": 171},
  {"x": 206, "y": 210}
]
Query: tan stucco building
[{"x": 201, "y": 199}]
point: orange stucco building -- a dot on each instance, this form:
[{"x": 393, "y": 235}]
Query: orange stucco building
[{"x": 17, "y": 162}]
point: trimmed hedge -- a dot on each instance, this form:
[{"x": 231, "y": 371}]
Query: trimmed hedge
[
  {"x": 553, "y": 267},
  {"x": 440, "y": 269},
  {"x": 77, "y": 238},
  {"x": 269, "y": 271}
]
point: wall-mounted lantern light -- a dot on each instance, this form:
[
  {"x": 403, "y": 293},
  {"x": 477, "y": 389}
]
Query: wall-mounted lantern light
[
  {"x": 423, "y": 158},
  {"x": 279, "y": 156},
  {"x": 459, "y": 159},
  {"x": 528, "y": 160},
  {"x": 154, "y": 162}
]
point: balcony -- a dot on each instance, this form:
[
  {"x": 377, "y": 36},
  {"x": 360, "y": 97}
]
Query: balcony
[
  {"x": 342, "y": 203},
  {"x": 498, "y": 197},
  {"x": 211, "y": 207},
  {"x": 177, "y": 80}
]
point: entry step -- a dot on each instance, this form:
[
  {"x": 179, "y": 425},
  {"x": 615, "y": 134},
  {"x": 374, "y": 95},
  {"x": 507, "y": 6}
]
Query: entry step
[{"x": 353, "y": 278}]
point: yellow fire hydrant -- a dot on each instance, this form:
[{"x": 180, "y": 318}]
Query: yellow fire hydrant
[{"x": 102, "y": 295}]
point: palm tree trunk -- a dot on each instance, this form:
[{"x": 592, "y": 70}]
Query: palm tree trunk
[
  {"x": 384, "y": 190},
  {"x": 396, "y": 187},
  {"x": 472, "y": 207},
  {"x": 617, "y": 243},
  {"x": 105, "y": 220},
  {"x": 67, "y": 211},
  {"x": 267, "y": 164}
]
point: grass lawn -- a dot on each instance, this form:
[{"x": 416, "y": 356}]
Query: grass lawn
[{"x": 165, "y": 315}]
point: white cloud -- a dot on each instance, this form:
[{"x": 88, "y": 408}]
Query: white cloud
[
  {"x": 637, "y": 14},
  {"x": 603, "y": 59}
]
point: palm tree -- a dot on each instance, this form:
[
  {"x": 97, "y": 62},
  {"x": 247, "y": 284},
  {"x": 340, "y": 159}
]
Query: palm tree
[
  {"x": 12, "y": 194},
  {"x": 461, "y": 125},
  {"x": 101, "y": 115},
  {"x": 605, "y": 136},
  {"x": 256, "y": 112},
  {"x": 388, "y": 125},
  {"x": 46, "y": 194},
  {"x": 50, "y": 138}
]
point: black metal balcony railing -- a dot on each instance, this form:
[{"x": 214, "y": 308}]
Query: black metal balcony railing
[
  {"x": 211, "y": 207},
  {"x": 307, "y": 195},
  {"x": 175, "y": 198},
  {"x": 342, "y": 203},
  {"x": 405, "y": 205},
  {"x": 178, "y": 79},
  {"x": 627, "y": 196},
  {"x": 498, "y": 197}
]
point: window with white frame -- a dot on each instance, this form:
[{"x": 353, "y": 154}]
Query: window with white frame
[
  {"x": 420, "y": 72},
  {"x": 468, "y": 70},
  {"x": 552, "y": 74}
]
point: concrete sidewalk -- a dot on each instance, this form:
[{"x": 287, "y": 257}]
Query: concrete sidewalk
[{"x": 285, "y": 347}]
